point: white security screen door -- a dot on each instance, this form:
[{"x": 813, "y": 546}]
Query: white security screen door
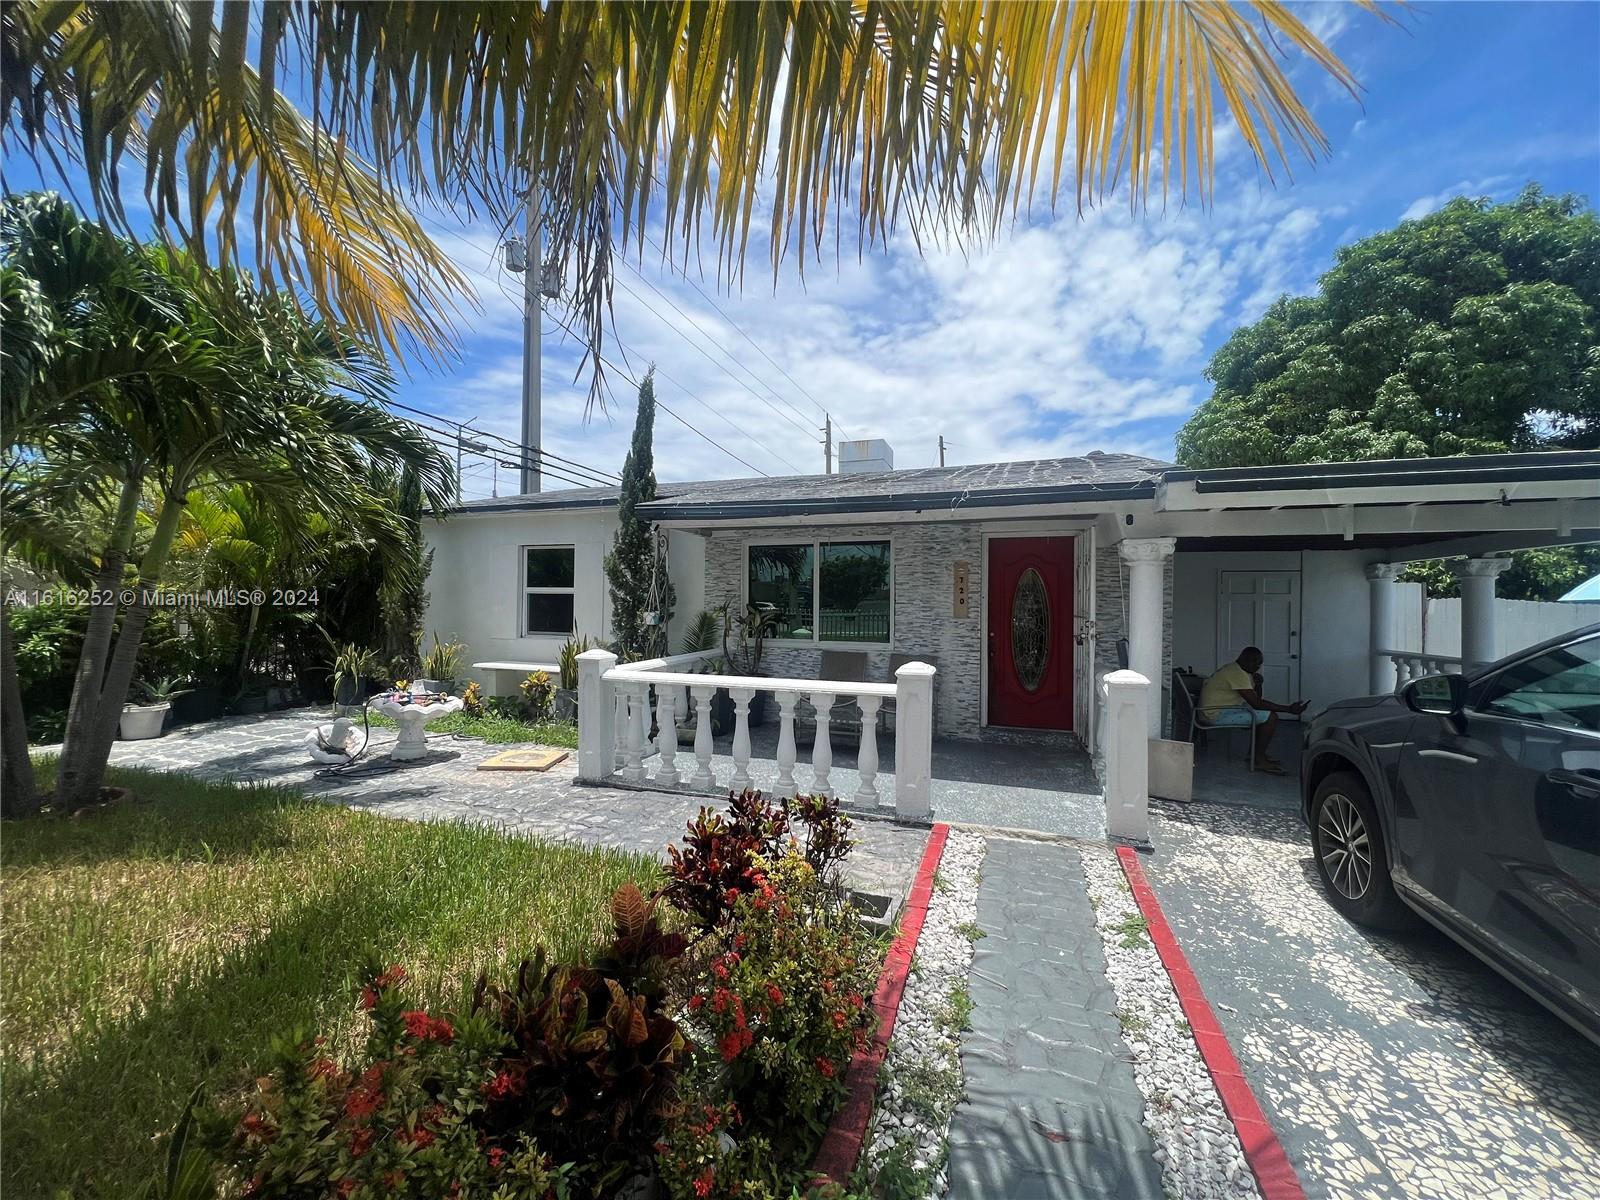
[{"x": 1262, "y": 608}]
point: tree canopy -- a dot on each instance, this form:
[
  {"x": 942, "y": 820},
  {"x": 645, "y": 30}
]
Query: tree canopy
[{"x": 1473, "y": 330}]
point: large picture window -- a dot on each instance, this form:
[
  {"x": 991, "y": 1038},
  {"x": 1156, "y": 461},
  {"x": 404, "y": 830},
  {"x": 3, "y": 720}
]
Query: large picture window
[
  {"x": 824, "y": 591},
  {"x": 548, "y": 575}
]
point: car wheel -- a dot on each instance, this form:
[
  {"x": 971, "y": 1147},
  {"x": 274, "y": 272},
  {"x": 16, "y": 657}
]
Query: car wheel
[{"x": 1351, "y": 857}]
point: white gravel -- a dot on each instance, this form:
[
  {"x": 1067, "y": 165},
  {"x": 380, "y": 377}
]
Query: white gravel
[
  {"x": 921, "y": 1081},
  {"x": 1198, "y": 1150}
]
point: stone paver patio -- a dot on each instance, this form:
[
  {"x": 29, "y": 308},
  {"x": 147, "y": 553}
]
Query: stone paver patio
[{"x": 447, "y": 787}]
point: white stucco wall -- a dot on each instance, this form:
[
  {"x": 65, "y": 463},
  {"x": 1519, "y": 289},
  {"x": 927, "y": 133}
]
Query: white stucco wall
[
  {"x": 475, "y": 588},
  {"x": 1333, "y": 615}
]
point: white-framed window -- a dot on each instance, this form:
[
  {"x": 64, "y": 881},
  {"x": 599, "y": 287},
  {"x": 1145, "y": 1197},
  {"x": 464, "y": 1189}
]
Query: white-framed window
[
  {"x": 549, "y": 575},
  {"x": 824, "y": 591}
]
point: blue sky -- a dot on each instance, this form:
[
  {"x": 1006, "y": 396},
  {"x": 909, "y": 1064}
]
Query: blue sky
[{"x": 1067, "y": 334}]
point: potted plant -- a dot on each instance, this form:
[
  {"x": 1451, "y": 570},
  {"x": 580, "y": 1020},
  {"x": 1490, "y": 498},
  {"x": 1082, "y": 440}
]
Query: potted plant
[
  {"x": 148, "y": 720},
  {"x": 441, "y": 666},
  {"x": 351, "y": 668},
  {"x": 566, "y": 698},
  {"x": 749, "y": 631}
]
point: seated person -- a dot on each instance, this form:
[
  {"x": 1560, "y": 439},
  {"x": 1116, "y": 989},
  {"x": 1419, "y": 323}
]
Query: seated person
[{"x": 1232, "y": 696}]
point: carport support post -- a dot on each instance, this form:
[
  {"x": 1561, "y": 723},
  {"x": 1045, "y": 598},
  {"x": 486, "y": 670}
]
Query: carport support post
[
  {"x": 596, "y": 738},
  {"x": 1147, "y": 611},
  {"x": 1128, "y": 695},
  {"x": 1476, "y": 577},
  {"x": 1380, "y": 625}
]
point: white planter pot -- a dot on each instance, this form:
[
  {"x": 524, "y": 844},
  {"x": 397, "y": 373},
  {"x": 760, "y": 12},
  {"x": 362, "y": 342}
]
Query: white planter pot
[{"x": 140, "y": 721}]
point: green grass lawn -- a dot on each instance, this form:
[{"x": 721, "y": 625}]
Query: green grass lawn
[
  {"x": 160, "y": 944},
  {"x": 497, "y": 730}
]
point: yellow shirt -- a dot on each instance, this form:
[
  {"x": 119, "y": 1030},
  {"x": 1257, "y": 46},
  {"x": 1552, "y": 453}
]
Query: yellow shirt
[{"x": 1222, "y": 689}]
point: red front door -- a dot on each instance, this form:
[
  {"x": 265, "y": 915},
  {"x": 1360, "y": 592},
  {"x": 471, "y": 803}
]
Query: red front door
[{"x": 1030, "y": 632}]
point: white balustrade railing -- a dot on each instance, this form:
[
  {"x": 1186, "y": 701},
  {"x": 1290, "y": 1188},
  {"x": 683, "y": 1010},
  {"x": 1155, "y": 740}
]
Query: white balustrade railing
[
  {"x": 614, "y": 703},
  {"x": 1125, "y": 698},
  {"x": 1412, "y": 664}
]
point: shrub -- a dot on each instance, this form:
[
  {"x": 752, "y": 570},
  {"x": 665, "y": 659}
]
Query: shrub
[
  {"x": 699, "y": 1158},
  {"x": 406, "y": 1122},
  {"x": 537, "y": 693},
  {"x": 594, "y": 1060},
  {"x": 715, "y": 866},
  {"x": 567, "y": 660},
  {"x": 472, "y": 700},
  {"x": 784, "y": 1004}
]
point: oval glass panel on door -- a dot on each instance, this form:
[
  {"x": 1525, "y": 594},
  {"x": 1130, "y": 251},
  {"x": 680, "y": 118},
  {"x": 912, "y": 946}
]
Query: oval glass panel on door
[{"x": 1030, "y": 632}]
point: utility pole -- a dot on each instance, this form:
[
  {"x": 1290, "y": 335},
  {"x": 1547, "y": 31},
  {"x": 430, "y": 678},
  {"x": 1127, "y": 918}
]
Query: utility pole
[
  {"x": 827, "y": 443},
  {"x": 532, "y": 342},
  {"x": 941, "y": 449}
]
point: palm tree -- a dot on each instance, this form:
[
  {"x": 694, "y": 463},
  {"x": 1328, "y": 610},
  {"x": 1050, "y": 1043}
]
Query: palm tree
[
  {"x": 924, "y": 114},
  {"x": 241, "y": 388}
]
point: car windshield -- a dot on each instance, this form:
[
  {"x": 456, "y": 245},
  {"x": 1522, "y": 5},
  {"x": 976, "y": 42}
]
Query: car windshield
[{"x": 1559, "y": 687}]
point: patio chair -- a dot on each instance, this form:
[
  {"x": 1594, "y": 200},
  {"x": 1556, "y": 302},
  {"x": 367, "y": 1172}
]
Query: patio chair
[
  {"x": 844, "y": 718},
  {"x": 896, "y": 661},
  {"x": 1189, "y": 724}
]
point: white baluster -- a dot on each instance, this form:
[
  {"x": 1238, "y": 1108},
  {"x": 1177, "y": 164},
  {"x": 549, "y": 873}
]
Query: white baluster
[
  {"x": 620, "y": 724},
  {"x": 703, "y": 780},
  {"x": 741, "y": 737},
  {"x": 667, "y": 736},
  {"x": 638, "y": 703},
  {"x": 867, "y": 759},
  {"x": 786, "y": 785},
  {"x": 822, "y": 749}
]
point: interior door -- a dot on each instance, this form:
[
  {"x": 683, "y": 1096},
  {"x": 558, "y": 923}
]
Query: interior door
[
  {"x": 1030, "y": 632},
  {"x": 1262, "y": 609}
]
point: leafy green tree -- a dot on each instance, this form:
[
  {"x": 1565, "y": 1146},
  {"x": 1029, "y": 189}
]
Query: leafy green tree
[
  {"x": 636, "y": 572},
  {"x": 143, "y": 392},
  {"x": 1474, "y": 330}
]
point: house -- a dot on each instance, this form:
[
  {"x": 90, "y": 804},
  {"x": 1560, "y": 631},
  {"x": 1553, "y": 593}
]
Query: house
[{"x": 1023, "y": 582}]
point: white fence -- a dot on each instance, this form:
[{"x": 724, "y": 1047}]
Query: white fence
[
  {"x": 1435, "y": 630},
  {"x": 615, "y": 704}
]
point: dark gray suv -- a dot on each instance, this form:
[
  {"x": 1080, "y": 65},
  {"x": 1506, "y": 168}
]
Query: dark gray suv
[{"x": 1474, "y": 801}]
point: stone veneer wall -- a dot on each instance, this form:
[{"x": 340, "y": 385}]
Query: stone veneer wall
[
  {"x": 1110, "y": 592},
  {"x": 923, "y": 561}
]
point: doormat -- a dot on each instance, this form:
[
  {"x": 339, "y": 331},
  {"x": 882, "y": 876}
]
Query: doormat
[{"x": 523, "y": 760}]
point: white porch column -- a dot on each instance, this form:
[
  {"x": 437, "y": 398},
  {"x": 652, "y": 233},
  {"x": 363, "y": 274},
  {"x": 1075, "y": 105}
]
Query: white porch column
[
  {"x": 1147, "y": 561},
  {"x": 1477, "y": 576},
  {"x": 1380, "y": 626},
  {"x": 596, "y": 745}
]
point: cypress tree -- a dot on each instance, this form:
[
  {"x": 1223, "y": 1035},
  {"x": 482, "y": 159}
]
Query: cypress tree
[{"x": 632, "y": 564}]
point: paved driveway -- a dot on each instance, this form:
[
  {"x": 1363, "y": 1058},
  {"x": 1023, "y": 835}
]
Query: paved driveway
[{"x": 1389, "y": 1067}]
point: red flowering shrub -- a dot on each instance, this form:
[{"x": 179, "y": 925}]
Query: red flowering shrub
[
  {"x": 405, "y": 1123},
  {"x": 784, "y": 1004},
  {"x": 715, "y": 865},
  {"x": 705, "y": 1155},
  {"x": 592, "y": 1069}
]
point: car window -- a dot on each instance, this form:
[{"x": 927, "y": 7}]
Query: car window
[{"x": 1560, "y": 687}]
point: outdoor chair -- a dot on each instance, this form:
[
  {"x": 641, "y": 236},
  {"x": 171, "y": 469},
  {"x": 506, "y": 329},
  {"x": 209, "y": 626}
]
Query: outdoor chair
[
  {"x": 896, "y": 661},
  {"x": 1190, "y": 725},
  {"x": 844, "y": 718}
]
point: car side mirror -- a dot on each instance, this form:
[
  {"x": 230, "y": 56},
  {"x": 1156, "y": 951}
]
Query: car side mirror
[{"x": 1442, "y": 695}]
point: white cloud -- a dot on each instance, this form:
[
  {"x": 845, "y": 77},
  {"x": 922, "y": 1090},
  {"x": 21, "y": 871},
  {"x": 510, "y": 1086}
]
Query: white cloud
[{"x": 1423, "y": 205}]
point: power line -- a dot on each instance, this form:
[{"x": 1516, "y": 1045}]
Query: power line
[
  {"x": 687, "y": 278},
  {"x": 446, "y": 438},
  {"x": 537, "y": 454},
  {"x": 662, "y": 405},
  {"x": 802, "y": 427},
  {"x": 714, "y": 362}
]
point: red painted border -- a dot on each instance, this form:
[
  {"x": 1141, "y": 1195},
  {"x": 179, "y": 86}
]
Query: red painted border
[
  {"x": 841, "y": 1145},
  {"x": 1262, "y": 1150}
]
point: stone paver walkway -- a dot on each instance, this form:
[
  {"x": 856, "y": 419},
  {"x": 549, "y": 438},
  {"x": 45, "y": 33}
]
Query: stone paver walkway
[
  {"x": 1052, "y": 1109},
  {"x": 446, "y": 787},
  {"x": 1392, "y": 1068}
]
